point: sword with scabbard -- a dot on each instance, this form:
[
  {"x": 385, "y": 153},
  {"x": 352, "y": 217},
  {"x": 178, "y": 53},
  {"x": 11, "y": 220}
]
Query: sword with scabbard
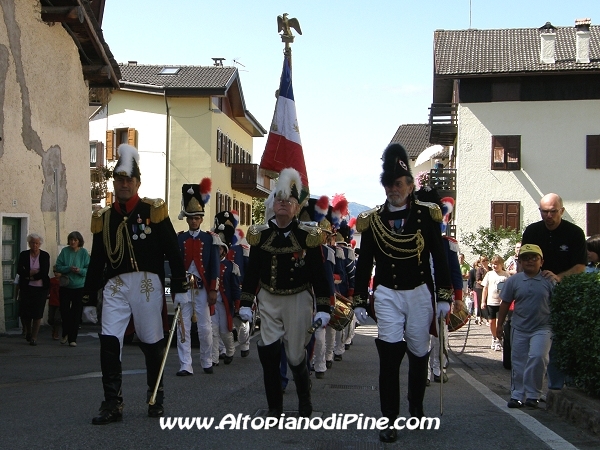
[{"x": 441, "y": 323}]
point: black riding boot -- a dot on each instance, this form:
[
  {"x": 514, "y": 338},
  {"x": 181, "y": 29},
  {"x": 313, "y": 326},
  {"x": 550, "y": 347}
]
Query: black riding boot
[
  {"x": 154, "y": 354},
  {"x": 390, "y": 357},
  {"x": 417, "y": 382},
  {"x": 111, "y": 409},
  {"x": 270, "y": 357},
  {"x": 302, "y": 381}
]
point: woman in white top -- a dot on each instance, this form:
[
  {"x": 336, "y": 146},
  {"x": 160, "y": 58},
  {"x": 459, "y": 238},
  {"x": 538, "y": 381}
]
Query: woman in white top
[{"x": 491, "y": 295}]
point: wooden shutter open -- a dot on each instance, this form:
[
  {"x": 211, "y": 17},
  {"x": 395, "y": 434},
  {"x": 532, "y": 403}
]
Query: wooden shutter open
[{"x": 110, "y": 145}]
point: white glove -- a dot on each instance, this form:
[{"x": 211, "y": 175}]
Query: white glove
[
  {"x": 181, "y": 298},
  {"x": 361, "y": 315},
  {"x": 443, "y": 308},
  {"x": 246, "y": 313},
  {"x": 324, "y": 318}
]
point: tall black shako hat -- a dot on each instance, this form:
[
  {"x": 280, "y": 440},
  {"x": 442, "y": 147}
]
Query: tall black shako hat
[
  {"x": 317, "y": 211},
  {"x": 194, "y": 197},
  {"x": 128, "y": 163},
  {"x": 395, "y": 164},
  {"x": 225, "y": 224}
]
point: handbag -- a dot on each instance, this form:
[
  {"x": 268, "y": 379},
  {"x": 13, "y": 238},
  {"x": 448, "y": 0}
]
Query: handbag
[{"x": 64, "y": 281}]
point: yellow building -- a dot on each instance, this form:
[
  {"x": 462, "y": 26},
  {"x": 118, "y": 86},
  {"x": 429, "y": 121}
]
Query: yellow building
[{"x": 188, "y": 123}]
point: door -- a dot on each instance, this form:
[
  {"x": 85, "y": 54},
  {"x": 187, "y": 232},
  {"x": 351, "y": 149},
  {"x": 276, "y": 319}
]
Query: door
[{"x": 10, "y": 253}]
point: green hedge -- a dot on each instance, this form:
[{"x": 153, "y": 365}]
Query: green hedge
[{"x": 576, "y": 326}]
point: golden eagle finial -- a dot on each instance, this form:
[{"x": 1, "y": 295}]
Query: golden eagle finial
[{"x": 284, "y": 24}]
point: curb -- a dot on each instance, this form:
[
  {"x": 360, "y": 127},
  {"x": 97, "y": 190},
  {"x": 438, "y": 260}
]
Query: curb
[{"x": 576, "y": 407}]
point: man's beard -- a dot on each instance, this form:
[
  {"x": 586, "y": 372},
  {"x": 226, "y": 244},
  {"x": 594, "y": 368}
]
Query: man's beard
[{"x": 397, "y": 200}]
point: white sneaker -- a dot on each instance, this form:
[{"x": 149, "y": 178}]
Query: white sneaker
[
  {"x": 73, "y": 344},
  {"x": 498, "y": 347},
  {"x": 493, "y": 345}
]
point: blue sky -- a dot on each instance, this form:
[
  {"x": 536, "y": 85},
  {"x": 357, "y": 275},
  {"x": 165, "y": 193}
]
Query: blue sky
[{"x": 360, "y": 68}]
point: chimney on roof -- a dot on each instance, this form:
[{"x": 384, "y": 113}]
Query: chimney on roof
[
  {"x": 218, "y": 62},
  {"x": 548, "y": 43},
  {"x": 132, "y": 63},
  {"x": 582, "y": 40}
]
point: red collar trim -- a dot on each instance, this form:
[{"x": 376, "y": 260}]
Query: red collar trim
[{"x": 128, "y": 206}]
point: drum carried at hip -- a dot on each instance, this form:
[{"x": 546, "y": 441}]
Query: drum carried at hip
[{"x": 342, "y": 313}]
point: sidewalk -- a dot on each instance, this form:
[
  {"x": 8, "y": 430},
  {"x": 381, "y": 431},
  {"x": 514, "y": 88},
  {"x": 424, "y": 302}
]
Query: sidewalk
[{"x": 571, "y": 404}]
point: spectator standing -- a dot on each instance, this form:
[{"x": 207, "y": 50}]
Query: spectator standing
[
  {"x": 72, "y": 263},
  {"x": 512, "y": 265},
  {"x": 593, "y": 251},
  {"x": 465, "y": 268},
  {"x": 564, "y": 248},
  {"x": 34, "y": 282},
  {"x": 480, "y": 273},
  {"x": 531, "y": 333}
]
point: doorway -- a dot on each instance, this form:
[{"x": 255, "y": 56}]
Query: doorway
[{"x": 11, "y": 237}]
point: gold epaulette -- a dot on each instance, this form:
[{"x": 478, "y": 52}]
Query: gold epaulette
[
  {"x": 97, "y": 219},
  {"x": 159, "y": 211},
  {"x": 253, "y": 236},
  {"x": 363, "y": 219},
  {"x": 434, "y": 210},
  {"x": 315, "y": 236}
]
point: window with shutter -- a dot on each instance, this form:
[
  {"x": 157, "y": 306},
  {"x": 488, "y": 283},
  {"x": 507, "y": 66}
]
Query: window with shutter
[
  {"x": 227, "y": 203},
  {"x": 506, "y": 152},
  {"x": 506, "y": 215},
  {"x": 132, "y": 137},
  {"x": 110, "y": 145},
  {"x": 592, "y": 152},
  {"x": 248, "y": 214},
  {"x": 242, "y": 213},
  {"x": 592, "y": 219}
]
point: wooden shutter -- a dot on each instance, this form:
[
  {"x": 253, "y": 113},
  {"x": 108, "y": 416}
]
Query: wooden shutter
[
  {"x": 506, "y": 153},
  {"x": 592, "y": 152},
  {"x": 248, "y": 214},
  {"x": 110, "y": 145},
  {"x": 218, "y": 145},
  {"x": 592, "y": 225},
  {"x": 132, "y": 137},
  {"x": 99, "y": 154},
  {"x": 506, "y": 215},
  {"x": 109, "y": 198}
]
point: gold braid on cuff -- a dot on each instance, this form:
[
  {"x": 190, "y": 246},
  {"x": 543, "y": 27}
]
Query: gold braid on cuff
[
  {"x": 445, "y": 294},
  {"x": 360, "y": 302}
]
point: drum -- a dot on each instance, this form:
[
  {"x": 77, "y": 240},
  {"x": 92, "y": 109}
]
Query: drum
[
  {"x": 458, "y": 319},
  {"x": 342, "y": 314}
]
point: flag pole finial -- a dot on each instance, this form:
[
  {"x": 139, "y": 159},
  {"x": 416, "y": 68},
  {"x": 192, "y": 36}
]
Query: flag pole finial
[{"x": 285, "y": 26}]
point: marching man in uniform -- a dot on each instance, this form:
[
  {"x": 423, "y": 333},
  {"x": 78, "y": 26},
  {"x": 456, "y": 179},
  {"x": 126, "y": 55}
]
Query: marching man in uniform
[
  {"x": 200, "y": 252},
  {"x": 131, "y": 240},
  {"x": 400, "y": 236},
  {"x": 285, "y": 267}
]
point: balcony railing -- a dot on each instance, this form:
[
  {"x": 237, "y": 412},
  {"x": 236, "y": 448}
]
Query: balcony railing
[
  {"x": 249, "y": 179},
  {"x": 444, "y": 180},
  {"x": 443, "y": 125}
]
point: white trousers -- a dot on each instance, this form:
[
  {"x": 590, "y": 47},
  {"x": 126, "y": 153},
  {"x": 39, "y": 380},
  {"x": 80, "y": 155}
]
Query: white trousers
[
  {"x": 434, "y": 356},
  {"x": 243, "y": 330},
  {"x": 137, "y": 294},
  {"x": 404, "y": 315},
  {"x": 324, "y": 341},
  {"x": 286, "y": 317},
  {"x": 197, "y": 301},
  {"x": 220, "y": 330}
]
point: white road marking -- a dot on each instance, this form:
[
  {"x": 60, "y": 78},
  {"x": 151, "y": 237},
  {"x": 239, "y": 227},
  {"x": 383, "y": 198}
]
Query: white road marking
[{"x": 547, "y": 436}]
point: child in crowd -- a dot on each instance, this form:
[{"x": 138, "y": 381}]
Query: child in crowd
[
  {"x": 531, "y": 333},
  {"x": 593, "y": 252},
  {"x": 490, "y": 297}
]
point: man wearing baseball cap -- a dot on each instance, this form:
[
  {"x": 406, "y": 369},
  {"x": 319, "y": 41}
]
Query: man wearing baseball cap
[{"x": 531, "y": 333}]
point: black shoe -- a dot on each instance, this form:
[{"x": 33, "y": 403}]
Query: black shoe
[
  {"x": 514, "y": 403},
  {"x": 208, "y": 369},
  {"x": 28, "y": 337},
  {"x": 428, "y": 382},
  {"x": 320, "y": 375},
  {"x": 532, "y": 403},
  {"x": 389, "y": 435},
  {"x": 109, "y": 414},
  {"x": 184, "y": 373},
  {"x": 437, "y": 378},
  {"x": 347, "y": 346},
  {"x": 32, "y": 342},
  {"x": 274, "y": 413},
  {"x": 222, "y": 356},
  {"x": 337, "y": 357},
  {"x": 227, "y": 360},
  {"x": 156, "y": 410},
  {"x": 329, "y": 364},
  {"x": 245, "y": 353}
]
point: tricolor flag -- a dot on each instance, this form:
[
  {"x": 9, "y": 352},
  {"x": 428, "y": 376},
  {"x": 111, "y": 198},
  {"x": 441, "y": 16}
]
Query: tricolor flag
[{"x": 284, "y": 148}]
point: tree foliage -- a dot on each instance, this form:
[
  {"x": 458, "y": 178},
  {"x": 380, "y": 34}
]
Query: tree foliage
[
  {"x": 258, "y": 210},
  {"x": 492, "y": 241},
  {"x": 574, "y": 307}
]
